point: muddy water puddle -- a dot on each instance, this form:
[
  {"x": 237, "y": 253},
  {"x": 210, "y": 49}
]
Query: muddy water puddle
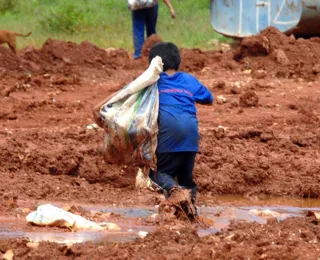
[
  {"x": 236, "y": 200},
  {"x": 254, "y": 210},
  {"x": 70, "y": 238},
  {"x": 127, "y": 212},
  {"x": 127, "y": 233},
  {"x": 223, "y": 216},
  {"x": 230, "y": 209},
  {"x": 11, "y": 228}
]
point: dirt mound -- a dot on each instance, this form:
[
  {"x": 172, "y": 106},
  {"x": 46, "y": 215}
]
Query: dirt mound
[
  {"x": 8, "y": 59},
  {"x": 58, "y": 53},
  {"x": 194, "y": 60},
  {"x": 150, "y": 41},
  {"x": 281, "y": 55},
  {"x": 55, "y": 56},
  {"x": 85, "y": 54}
]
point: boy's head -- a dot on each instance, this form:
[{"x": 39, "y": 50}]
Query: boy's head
[{"x": 169, "y": 54}]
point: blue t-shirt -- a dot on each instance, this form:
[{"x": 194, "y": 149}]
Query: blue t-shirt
[{"x": 178, "y": 123}]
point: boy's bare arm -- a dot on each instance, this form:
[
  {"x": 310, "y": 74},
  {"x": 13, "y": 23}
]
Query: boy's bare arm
[{"x": 168, "y": 3}]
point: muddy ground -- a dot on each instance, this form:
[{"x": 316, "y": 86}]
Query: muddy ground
[{"x": 261, "y": 138}]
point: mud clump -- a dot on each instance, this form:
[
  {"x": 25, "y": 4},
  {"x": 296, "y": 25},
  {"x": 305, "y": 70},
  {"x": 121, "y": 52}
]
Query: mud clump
[
  {"x": 8, "y": 59},
  {"x": 267, "y": 136},
  {"x": 249, "y": 99},
  {"x": 78, "y": 210},
  {"x": 254, "y": 46},
  {"x": 316, "y": 68},
  {"x": 280, "y": 57},
  {"x": 279, "y": 54},
  {"x": 254, "y": 177},
  {"x": 178, "y": 205},
  {"x": 149, "y": 43},
  {"x": 9, "y": 201}
]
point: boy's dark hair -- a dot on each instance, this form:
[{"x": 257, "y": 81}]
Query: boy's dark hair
[{"x": 169, "y": 54}]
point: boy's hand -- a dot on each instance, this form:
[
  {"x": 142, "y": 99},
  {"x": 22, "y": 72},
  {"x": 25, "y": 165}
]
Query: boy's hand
[
  {"x": 97, "y": 118},
  {"x": 173, "y": 13},
  {"x": 96, "y": 109}
]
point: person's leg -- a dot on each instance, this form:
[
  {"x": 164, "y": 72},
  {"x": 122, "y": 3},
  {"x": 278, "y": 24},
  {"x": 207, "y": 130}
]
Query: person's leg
[
  {"x": 185, "y": 173},
  {"x": 166, "y": 171},
  {"x": 151, "y": 20},
  {"x": 138, "y": 23}
]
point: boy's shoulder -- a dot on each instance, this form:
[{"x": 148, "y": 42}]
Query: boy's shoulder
[
  {"x": 187, "y": 76},
  {"x": 180, "y": 75}
]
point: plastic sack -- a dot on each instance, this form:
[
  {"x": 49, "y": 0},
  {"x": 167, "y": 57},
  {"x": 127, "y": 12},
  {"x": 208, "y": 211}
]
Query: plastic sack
[
  {"x": 49, "y": 215},
  {"x": 141, "y": 4},
  {"x": 131, "y": 119},
  {"x": 265, "y": 213}
]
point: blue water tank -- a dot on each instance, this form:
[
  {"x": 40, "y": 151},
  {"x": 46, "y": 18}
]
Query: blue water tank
[{"x": 241, "y": 18}]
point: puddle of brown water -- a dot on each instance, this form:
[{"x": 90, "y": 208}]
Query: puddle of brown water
[
  {"x": 234, "y": 208},
  {"x": 266, "y": 201},
  {"x": 222, "y": 216},
  {"x": 127, "y": 212},
  {"x": 240, "y": 207},
  {"x": 71, "y": 238},
  {"x": 128, "y": 233},
  {"x": 124, "y": 211}
]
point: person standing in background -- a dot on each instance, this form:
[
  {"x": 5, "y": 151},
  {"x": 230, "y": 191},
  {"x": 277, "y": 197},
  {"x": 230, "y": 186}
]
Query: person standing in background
[{"x": 145, "y": 15}]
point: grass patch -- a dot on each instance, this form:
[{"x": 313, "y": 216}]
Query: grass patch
[{"x": 106, "y": 23}]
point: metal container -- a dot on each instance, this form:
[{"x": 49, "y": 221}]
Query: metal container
[
  {"x": 242, "y": 18},
  {"x": 309, "y": 24}
]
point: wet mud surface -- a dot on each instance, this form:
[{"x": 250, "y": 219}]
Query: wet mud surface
[{"x": 260, "y": 139}]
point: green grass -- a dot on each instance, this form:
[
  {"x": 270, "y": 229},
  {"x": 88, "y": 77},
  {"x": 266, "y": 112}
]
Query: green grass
[{"x": 106, "y": 23}]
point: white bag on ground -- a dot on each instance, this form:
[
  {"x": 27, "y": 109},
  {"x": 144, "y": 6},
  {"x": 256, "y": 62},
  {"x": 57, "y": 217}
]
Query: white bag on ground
[
  {"x": 131, "y": 119},
  {"x": 49, "y": 215}
]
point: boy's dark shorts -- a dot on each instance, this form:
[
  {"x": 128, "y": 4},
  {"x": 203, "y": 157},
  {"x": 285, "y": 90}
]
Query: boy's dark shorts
[{"x": 175, "y": 165}]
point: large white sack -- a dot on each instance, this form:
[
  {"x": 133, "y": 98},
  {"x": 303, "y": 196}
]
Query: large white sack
[
  {"x": 49, "y": 215},
  {"x": 131, "y": 119}
]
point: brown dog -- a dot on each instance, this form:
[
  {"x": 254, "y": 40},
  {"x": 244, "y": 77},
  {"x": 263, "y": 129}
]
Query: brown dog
[{"x": 9, "y": 37}]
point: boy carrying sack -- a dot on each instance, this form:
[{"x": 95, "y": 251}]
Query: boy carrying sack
[
  {"x": 178, "y": 137},
  {"x": 170, "y": 130}
]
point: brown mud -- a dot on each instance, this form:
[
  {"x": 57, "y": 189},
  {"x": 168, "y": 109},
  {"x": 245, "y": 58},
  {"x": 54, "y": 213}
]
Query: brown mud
[
  {"x": 283, "y": 56},
  {"x": 294, "y": 238},
  {"x": 261, "y": 144},
  {"x": 149, "y": 42}
]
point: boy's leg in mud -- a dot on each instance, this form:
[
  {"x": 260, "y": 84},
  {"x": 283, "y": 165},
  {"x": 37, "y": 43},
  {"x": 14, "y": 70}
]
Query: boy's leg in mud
[
  {"x": 168, "y": 167},
  {"x": 185, "y": 173},
  {"x": 167, "y": 163}
]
